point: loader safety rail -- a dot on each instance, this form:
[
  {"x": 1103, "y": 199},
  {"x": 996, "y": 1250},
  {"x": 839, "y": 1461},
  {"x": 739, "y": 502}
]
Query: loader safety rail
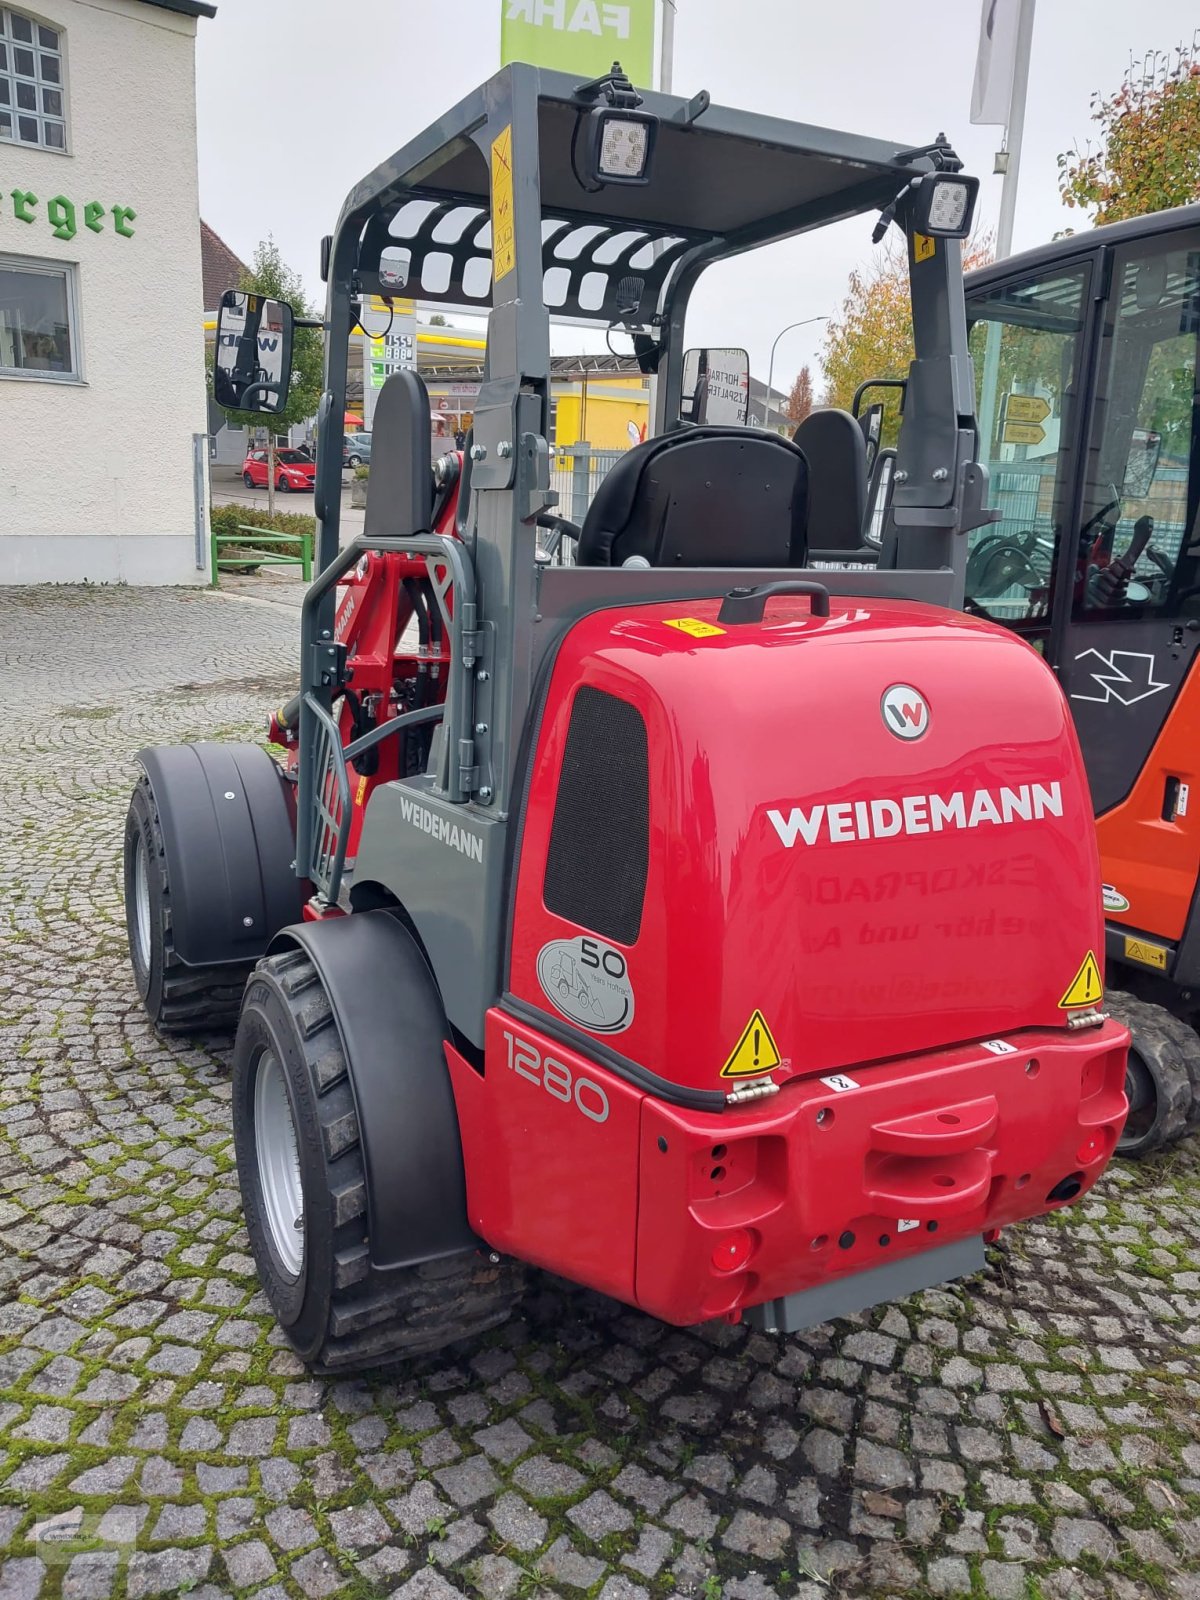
[
  {"x": 300, "y": 553},
  {"x": 325, "y": 774}
]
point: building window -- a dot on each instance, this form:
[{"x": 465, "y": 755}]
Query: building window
[
  {"x": 38, "y": 327},
  {"x": 32, "y": 93}
]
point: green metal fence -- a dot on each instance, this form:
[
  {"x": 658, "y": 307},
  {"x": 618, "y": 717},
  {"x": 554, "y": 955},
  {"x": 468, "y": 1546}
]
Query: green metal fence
[{"x": 300, "y": 553}]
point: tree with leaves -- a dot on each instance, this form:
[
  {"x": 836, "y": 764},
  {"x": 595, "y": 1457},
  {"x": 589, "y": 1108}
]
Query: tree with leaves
[
  {"x": 271, "y": 277},
  {"x": 872, "y": 335},
  {"x": 1149, "y": 155},
  {"x": 800, "y": 401}
]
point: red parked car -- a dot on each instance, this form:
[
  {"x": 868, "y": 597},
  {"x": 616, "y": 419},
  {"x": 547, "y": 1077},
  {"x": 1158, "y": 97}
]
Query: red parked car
[{"x": 292, "y": 470}]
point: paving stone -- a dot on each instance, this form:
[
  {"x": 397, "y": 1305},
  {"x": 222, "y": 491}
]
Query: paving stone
[
  {"x": 881, "y": 1465},
  {"x": 651, "y": 1552},
  {"x": 166, "y": 1571},
  {"x": 517, "y": 1524},
  {"x": 496, "y": 1577},
  {"x": 108, "y": 1478},
  {"x": 359, "y": 1528},
  {"x": 21, "y": 1578},
  {"x": 599, "y": 1515},
  {"x": 563, "y": 1564},
  {"x": 317, "y": 1575},
  {"x": 750, "y": 1534},
  {"x": 91, "y": 1575},
  {"x": 544, "y": 1479},
  {"x": 1072, "y": 1537},
  {"x": 469, "y": 1481},
  {"x": 948, "y": 1575},
  {"x": 291, "y": 1528},
  {"x": 505, "y": 1441},
  {"x": 249, "y": 1563}
]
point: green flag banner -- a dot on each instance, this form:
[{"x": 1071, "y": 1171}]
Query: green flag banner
[{"x": 581, "y": 36}]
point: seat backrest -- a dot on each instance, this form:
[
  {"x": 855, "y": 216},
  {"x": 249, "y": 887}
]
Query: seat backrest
[
  {"x": 702, "y": 497},
  {"x": 836, "y": 452},
  {"x": 401, "y": 497}
]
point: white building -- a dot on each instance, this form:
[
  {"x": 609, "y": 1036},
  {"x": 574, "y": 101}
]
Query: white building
[{"x": 102, "y": 391}]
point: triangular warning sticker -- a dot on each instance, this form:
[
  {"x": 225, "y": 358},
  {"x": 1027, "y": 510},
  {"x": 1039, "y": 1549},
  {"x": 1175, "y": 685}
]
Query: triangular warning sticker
[
  {"x": 1086, "y": 987},
  {"x": 755, "y": 1052}
]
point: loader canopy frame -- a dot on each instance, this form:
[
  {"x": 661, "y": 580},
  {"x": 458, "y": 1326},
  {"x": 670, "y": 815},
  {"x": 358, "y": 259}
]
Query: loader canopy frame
[{"x": 502, "y": 166}]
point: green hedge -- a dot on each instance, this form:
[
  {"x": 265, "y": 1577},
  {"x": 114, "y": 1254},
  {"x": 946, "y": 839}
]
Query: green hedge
[{"x": 227, "y": 519}]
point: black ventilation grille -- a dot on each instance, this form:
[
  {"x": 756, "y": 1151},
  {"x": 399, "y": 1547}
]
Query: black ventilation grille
[{"x": 600, "y": 841}]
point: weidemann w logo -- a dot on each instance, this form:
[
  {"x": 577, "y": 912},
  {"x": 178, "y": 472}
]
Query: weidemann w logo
[{"x": 905, "y": 712}]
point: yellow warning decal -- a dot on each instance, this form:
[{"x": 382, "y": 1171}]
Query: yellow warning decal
[
  {"x": 362, "y": 789},
  {"x": 1150, "y": 955},
  {"x": 924, "y": 248},
  {"x": 504, "y": 249},
  {"x": 694, "y": 626},
  {"x": 755, "y": 1052},
  {"x": 1086, "y": 987}
]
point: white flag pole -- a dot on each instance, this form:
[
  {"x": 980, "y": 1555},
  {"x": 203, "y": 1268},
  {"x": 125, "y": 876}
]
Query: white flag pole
[
  {"x": 1016, "y": 130},
  {"x": 1008, "y": 209}
]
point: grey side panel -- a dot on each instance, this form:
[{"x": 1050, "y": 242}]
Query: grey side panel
[
  {"x": 445, "y": 864},
  {"x": 392, "y": 1031},
  {"x": 843, "y": 1296},
  {"x": 230, "y": 844}
]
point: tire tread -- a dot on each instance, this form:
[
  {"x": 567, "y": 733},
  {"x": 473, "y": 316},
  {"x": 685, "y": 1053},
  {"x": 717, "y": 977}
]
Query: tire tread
[{"x": 376, "y": 1317}]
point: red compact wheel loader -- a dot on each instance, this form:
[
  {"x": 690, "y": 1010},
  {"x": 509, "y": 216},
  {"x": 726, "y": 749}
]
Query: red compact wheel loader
[{"x": 713, "y": 920}]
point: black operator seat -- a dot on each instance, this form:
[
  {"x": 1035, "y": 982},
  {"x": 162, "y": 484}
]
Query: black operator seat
[
  {"x": 836, "y": 452},
  {"x": 702, "y": 497}
]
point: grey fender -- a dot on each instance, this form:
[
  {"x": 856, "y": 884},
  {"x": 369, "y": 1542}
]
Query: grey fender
[
  {"x": 392, "y": 1028},
  {"x": 230, "y": 843}
]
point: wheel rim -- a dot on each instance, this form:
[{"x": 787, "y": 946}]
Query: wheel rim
[
  {"x": 141, "y": 902},
  {"x": 278, "y": 1164},
  {"x": 1142, "y": 1094}
]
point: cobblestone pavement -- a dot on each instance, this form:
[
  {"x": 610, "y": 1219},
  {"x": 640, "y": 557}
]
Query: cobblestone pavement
[{"x": 1033, "y": 1436}]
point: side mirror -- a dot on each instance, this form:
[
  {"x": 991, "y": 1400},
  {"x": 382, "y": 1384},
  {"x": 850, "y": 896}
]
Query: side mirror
[
  {"x": 716, "y": 387},
  {"x": 253, "y": 368},
  {"x": 1144, "y": 450}
]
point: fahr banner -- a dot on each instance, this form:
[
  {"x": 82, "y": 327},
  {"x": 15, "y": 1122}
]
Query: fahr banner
[{"x": 581, "y": 36}]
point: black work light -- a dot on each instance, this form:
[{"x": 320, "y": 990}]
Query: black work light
[
  {"x": 620, "y": 144},
  {"x": 943, "y": 204},
  {"x": 618, "y": 139}
]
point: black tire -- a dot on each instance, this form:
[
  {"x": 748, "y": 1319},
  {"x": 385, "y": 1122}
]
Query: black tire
[
  {"x": 247, "y": 480},
  {"x": 353, "y": 461},
  {"x": 1162, "y": 1080},
  {"x": 339, "y": 1312},
  {"x": 178, "y": 998},
  {"x": 284, "y": 486}
]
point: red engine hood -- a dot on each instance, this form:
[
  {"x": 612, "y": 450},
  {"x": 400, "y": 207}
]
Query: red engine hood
[{"x": 821, "y": 890}]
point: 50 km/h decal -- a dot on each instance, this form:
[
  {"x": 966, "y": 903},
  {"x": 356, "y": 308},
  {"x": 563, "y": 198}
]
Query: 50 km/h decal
[{"x": 588, "y": 981}]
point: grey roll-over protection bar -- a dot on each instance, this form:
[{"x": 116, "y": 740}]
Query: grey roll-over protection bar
[{"x": 234, "y": 885}]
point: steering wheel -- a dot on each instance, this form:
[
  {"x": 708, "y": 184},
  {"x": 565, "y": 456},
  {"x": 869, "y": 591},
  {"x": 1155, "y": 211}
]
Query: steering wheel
[{"x": 1000, "y": 562}]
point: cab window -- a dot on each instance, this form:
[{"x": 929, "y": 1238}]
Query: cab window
[
  {"x": 1026, "y": 344},
  {"x": 1139, "y": 536}
]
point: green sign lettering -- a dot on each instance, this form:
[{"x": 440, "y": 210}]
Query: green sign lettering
[{"x": 61, "y": 215}]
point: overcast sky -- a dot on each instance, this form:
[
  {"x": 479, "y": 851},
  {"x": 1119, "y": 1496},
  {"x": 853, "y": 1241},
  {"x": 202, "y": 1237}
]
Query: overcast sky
[{"x": 298, "y": 99}]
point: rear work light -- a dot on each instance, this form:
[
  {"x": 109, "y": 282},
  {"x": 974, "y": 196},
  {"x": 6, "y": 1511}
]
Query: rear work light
[{"x": 943, "y": 205}]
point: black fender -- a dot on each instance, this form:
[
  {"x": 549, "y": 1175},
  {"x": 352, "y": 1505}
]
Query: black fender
[
  {"x": 393, "y": 1030},
  {"x": 230, "y": 840}
]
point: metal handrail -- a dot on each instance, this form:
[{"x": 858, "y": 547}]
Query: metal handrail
[{"x": 456, "y": 776}]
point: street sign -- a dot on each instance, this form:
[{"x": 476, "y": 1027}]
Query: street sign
[
  {"x": 1023, "y": 433},
  {"x": 580, "y": 36},
  {"x": 1026, "y": 408}
]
